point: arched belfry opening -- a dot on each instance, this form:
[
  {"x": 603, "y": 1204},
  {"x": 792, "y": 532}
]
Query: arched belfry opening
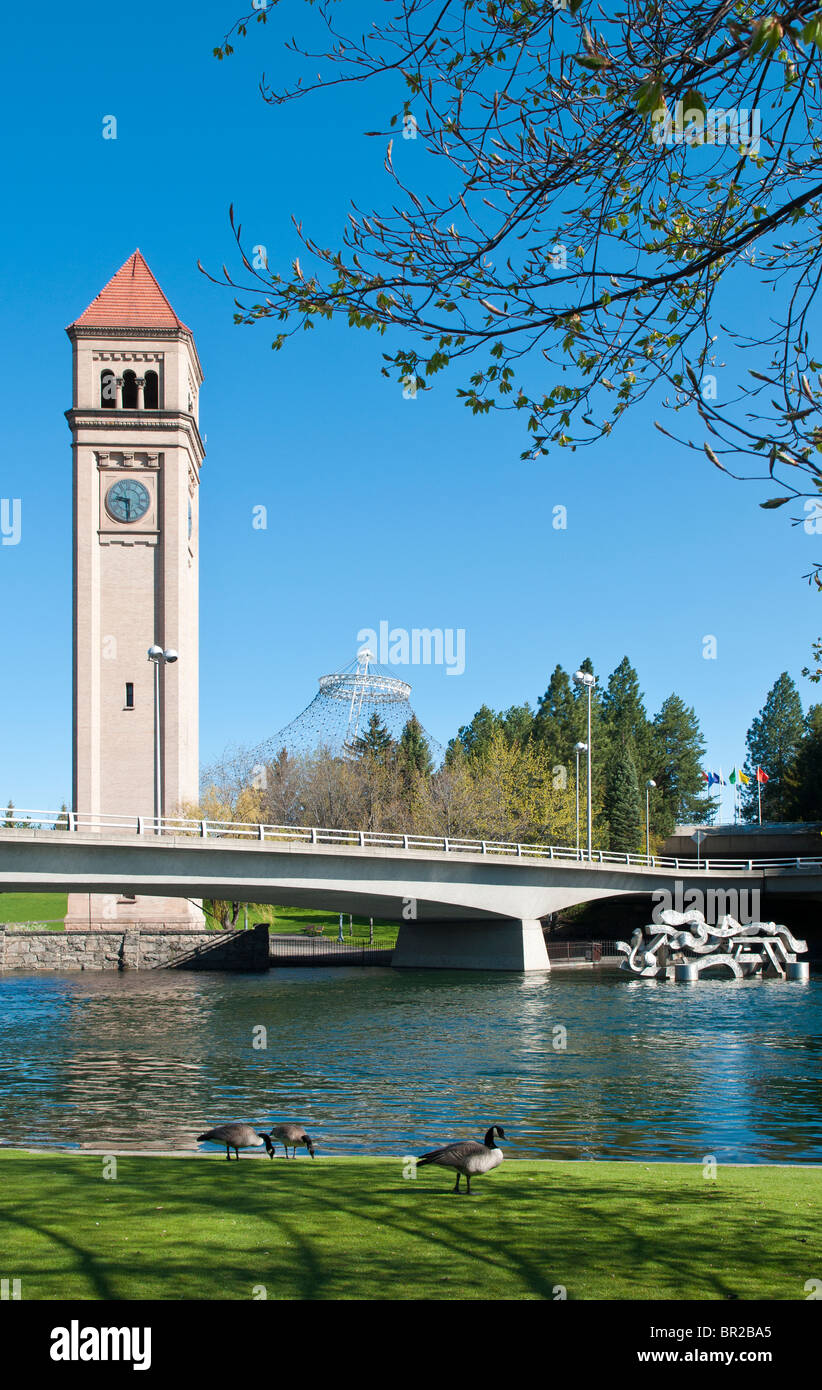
[
  {"x": 129, "y": 390},
  {"x": 108, "y": 390},
  {"x": 151, "y": 391}
]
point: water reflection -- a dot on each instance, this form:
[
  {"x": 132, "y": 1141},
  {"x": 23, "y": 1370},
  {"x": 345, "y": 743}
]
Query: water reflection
[{"x": 383, "y": 1062}]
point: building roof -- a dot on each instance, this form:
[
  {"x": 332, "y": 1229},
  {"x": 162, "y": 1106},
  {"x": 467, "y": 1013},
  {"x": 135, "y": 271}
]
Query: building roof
[{"x": 131, "y": 299}]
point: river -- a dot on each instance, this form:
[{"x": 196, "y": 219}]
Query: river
[{"x": 578, "y": 1064}]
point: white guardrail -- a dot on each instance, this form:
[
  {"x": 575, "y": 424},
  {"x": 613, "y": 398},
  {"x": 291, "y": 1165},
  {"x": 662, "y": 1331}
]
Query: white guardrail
[{"x": 368, "y": 839}]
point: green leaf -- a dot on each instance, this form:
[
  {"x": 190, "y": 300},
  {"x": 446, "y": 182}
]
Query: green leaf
[
  {"x": 648, "y": 95},
  {"x": 767, "y": 35},
  {"x": 694, "y": 101},
  {"x": 775, "y": 502}
]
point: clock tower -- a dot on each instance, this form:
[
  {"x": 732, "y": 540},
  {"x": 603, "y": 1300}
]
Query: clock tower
[{"x": 137, "y": 459}]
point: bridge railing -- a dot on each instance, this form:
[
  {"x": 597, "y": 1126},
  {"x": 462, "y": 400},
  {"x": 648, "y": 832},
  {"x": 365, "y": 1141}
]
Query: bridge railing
[{"x": 79, "y": 821}]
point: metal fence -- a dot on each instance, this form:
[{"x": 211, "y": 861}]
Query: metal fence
[
  {"x": 183, "y": 827},
  {"x": 580, "y": 952},
  {"x": 319, "y": 950}
]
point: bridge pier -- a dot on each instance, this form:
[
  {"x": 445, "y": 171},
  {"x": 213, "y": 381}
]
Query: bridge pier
[{"x": 481, "y": 944}]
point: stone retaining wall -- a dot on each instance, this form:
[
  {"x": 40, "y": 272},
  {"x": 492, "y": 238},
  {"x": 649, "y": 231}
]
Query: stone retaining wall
[{"x": 133, "y": 949}]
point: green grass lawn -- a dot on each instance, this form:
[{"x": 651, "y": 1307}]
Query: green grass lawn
[
  {"x": 33, "y": 907},
  {"x": 51, "y": 908},
  {"x": 291, "y": 920},
  {"x": 297, "y": 919},
  {"x": 342, "y": 1228}
]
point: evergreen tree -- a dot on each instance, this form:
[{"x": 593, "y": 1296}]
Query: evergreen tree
[
  {"x": 599, "y": 727},
  {"x": 376, "y": 743},
  {"x": 475, "y": 738},
  {"x": 413, "y": 752},
  {"x": 518, "y": 725},
  {"x": 622, "y": 801},
  {"x": 806, "y": 779},
  {"x": 773, "y": 742},
  {"x": 626, "y": 719},
  {"x": 555, "y": 722},
  {"x": 9, "y": 823},
  {"x": 678, "y": 753}
]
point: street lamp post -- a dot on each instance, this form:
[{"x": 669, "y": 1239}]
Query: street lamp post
[
  {"x": 158, "y": 658},
  {"x": 650, "y": 783},
  {"x": 586, "y": 681},
  {"x": 579, "y": 748}
]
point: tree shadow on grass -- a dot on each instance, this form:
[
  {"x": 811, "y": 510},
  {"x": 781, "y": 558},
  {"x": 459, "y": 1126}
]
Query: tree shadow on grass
[
  {"x": 345, "y": 1231},
  {"x": 82, "y": 1262}
]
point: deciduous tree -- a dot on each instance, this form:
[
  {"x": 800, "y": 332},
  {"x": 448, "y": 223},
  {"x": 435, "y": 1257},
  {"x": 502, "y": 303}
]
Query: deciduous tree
[{"x": 566, "y": 245}]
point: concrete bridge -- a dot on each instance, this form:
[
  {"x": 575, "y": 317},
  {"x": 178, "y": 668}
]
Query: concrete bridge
[{"x": 466, "y": 904}]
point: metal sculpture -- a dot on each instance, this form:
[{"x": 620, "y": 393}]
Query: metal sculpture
[
  {"x": 340, "y": 711},
  {"x": 682, "y": 946}
]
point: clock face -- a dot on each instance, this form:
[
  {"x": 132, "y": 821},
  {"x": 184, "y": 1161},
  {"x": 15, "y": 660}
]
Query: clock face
[{"x": 127, "y": 500}]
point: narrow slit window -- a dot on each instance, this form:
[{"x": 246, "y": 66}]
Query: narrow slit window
[{"x": 129, "y": 695}]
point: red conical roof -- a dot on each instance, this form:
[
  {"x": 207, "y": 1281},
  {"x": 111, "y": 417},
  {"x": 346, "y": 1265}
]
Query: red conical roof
[{"x": 131, "y": 299}]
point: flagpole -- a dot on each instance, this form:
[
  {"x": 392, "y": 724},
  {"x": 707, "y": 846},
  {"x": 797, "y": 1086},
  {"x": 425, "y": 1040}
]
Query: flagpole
[{"x": 759, "y": 794}]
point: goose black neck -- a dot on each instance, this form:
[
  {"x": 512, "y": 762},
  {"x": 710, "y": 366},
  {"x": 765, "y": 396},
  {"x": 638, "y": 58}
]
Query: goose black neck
[{"x": 489, "y": 1138}]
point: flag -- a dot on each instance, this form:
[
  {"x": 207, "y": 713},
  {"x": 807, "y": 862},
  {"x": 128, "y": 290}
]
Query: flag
[
  {"x": 761, "y": 776},
  {"x": 743, "y": 777},
  {"x": 709, "y": 777},
  {"x": 733, "y": 777}
]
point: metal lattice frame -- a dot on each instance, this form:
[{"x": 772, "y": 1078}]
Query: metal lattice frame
[{"x": 342, "y": 708}]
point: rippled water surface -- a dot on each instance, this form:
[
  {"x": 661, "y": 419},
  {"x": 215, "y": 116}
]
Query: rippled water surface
[{"x": 388, "y": 1062}]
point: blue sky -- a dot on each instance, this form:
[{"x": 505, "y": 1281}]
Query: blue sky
[{"x": 379, "y": 508}]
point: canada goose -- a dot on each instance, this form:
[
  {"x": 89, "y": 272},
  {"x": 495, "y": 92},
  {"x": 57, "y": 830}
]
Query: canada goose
[
  {"x": 238, "y": 1136},
  {"x": 468, "y": 1157},
  {"x": 291, "y": 1134}
]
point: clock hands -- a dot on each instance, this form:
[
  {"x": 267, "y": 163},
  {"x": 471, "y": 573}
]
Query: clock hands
[{"x": 127, "y": 500}]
